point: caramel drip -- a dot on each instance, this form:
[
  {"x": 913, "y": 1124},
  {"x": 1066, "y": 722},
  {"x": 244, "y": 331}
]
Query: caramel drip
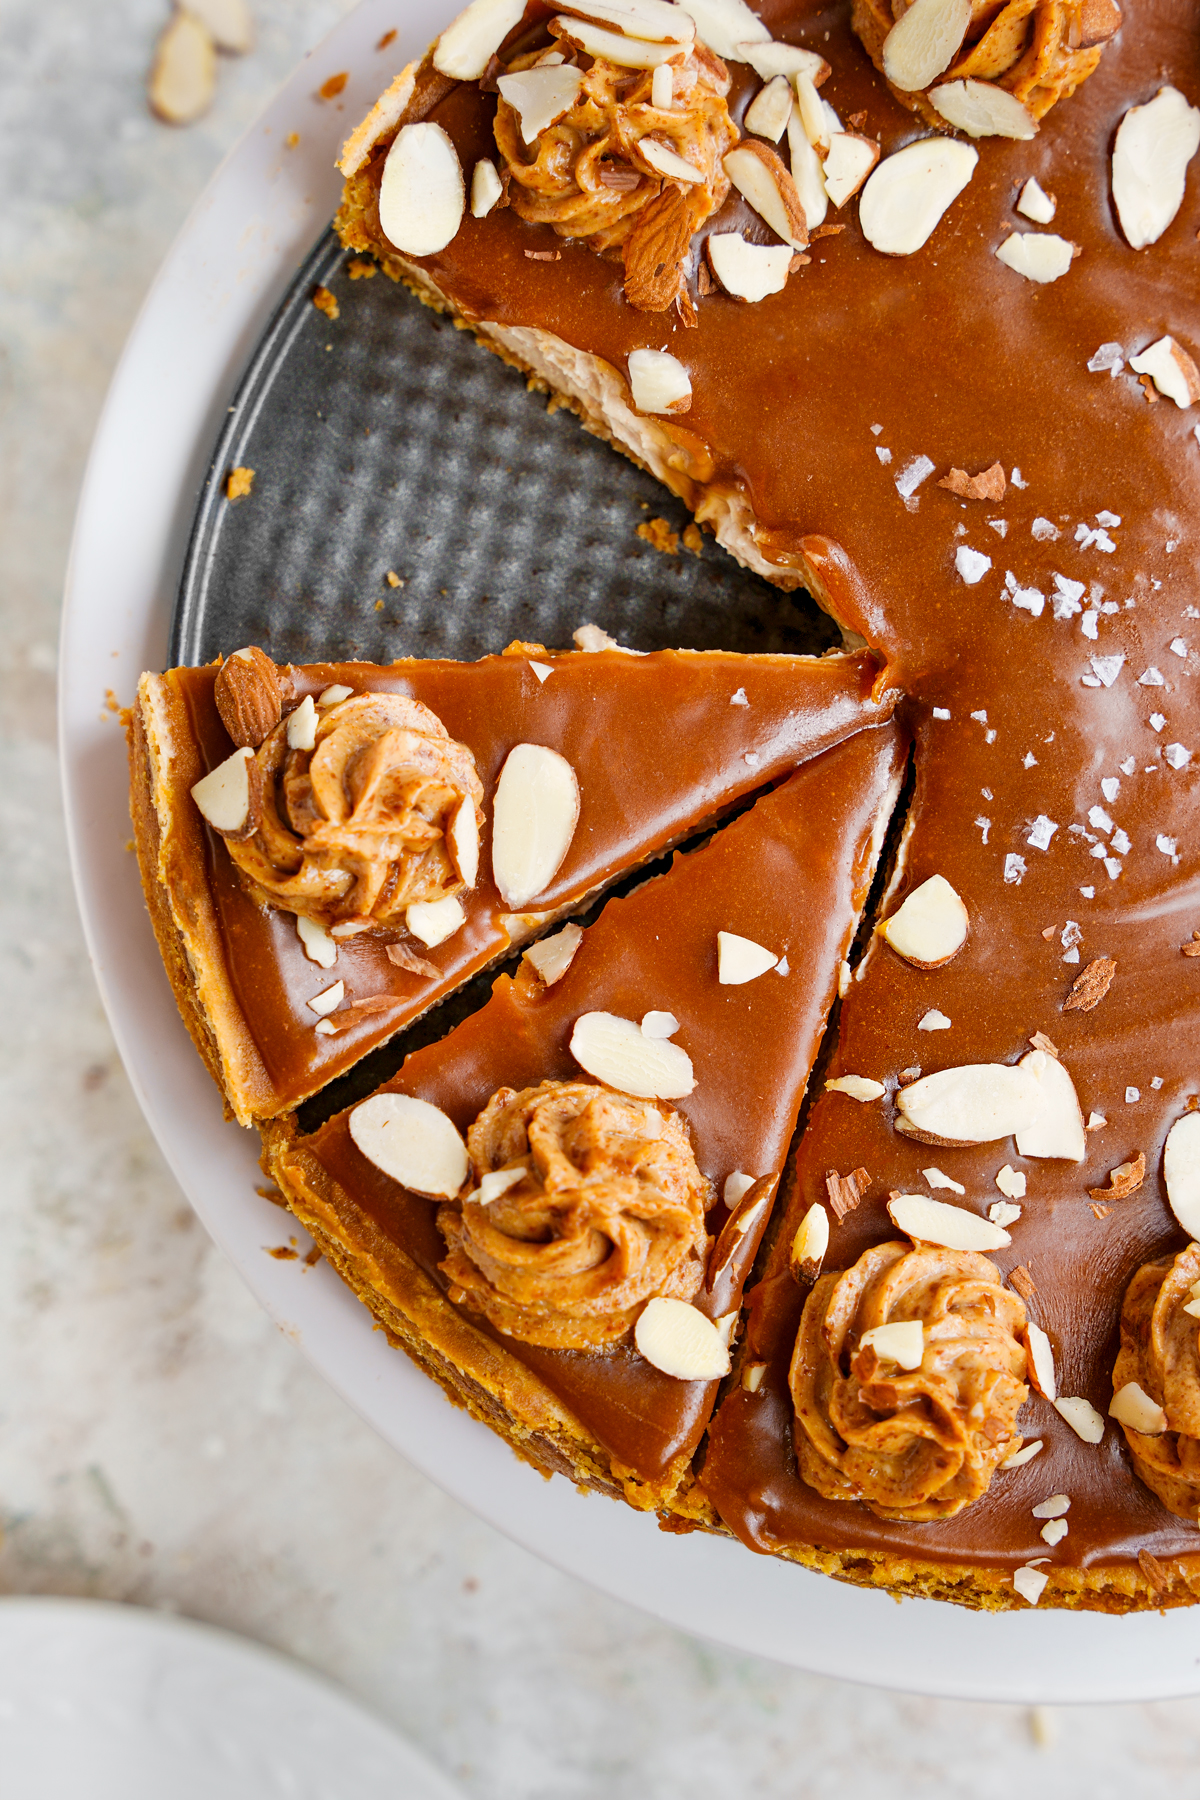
[
  {"x": 911, "y": 1444},
  {"x": 356, "y": 827},
  {"x": 1160, "y": 1350},
  {"x": 608, "y": 1212},
  {"x": 588, "y": 176}
]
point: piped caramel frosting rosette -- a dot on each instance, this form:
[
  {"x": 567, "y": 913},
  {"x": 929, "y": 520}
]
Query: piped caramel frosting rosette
[
  {"x": 361, "y": 823},
  {"x": 583, "y": 1205},
  {"x": 1037, "y": 51},
  {"x": 910, "y": 1443},
  {"x": 1160, "y": 1353},
  {"x": 591, "y": 175}
]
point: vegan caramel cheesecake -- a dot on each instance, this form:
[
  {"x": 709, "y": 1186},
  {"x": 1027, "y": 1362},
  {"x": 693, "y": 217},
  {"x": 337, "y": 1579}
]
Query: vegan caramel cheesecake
[{"x": 902, "y": 301}]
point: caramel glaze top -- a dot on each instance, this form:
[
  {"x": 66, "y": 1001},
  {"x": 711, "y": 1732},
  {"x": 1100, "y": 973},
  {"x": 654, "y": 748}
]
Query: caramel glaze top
[
  {"x": 658, "y": 750},
  {"x": 961, "y": 360},
  {"x": 792, "y": 874}
]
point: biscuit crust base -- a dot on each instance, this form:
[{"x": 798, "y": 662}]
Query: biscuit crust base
[{"x": 469, "y": 1365}]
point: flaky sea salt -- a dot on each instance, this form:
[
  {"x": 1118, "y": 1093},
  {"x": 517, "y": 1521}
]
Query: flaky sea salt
[{"x": 972, "y": 565}]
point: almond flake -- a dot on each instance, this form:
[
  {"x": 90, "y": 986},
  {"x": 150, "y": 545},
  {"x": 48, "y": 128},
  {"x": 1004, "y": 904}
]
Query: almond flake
[
  {"x": 1153, "y": 147},
  {"x": 319, "y": 947},
  {"x": 1082, "y": 1417},
  {"x": 466, "y": 47},
  {"x": 486, "y": 188},
  {"x": 553, "y": 956},
  {"x": 934, "y": 1020},
  {"x": 412, "y": 1142},
  {"x": 764, "y": 183},
  {"x": 614, "y": 46},
  {"x": 422, "y": 196},
  {"x": 1038, "y": 205},
  {"x": 810, "y": 1244},
  {"x": 1123, "y": 1181},
  {"x": 858, "y": 1087},
  {"x": 933, "y": 1222},
  {"x": 302, "y": 725},
  {"x": 1053, "y": 1508},
  {"x": 679, "y": 1340},
  {"x": 1037, "y": 255},
  {"x": 809, "y": 179},
  {"x": 752, "y": 1376},
  {"x": 982, "y": 109},
  {"x": 401, "y": 957},
  {"x": 534, "y": 816},
  {"x": 495, "y": 1183},
  {"x": 665, "y": 161},
  {"x": 1171, "y": 369},
  {"x": 433, "y": 921},
  {"x": 659, "y": 1025},
  {"x": 658, "y": 382},
  {"x": 1030, "y": 1583},
  {"x": 183, "y": 76},
  {"x": 1133, "y": 1407},
  {"x": 326, "y": 1002},
  {"x": 769, "y": 59},
  {"x": 740, "y": 959},
  {"x": 1055, "y": 1532},
  {"x": 768, "y": 112},
  {"x": 1090, "y": 987},
  {"x": 901, "y": 1342},
  {"x": 930, "y": 925},
  {"x": 847, "y": 163},
  {"x": 656, "y": 21},
  {"x": 924, "y": 42},
  {"x": 1056, "y": 1129},
  {"x": 748, "y": 271},
  {"x": 224, "y": 794},
  {"x": 1002, "y": 1214},
  {"x": 1154, "y": 1572},
  {"x": 936, "y": 1179},
  {"x": 972, "y": 1104},
  {"x": 539, "y": 97},
  {"x": 1181, "y": 1171},
  {"x": 1020, "y": 1457},
  {"x": 462, "y": 838},
  {"x": 1011, "y": 1183},
  {"x": 617, "y": 1052},
  {"x": 1041, "y": 1359}
]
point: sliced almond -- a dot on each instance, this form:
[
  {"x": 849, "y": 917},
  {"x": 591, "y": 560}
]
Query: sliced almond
[
  {"x": 813, "y": 114},
  {"x": 858, "y": 1087},
  {"x": 1056, "y": 1507},
  {"x": 433, "y": 921},
  {"x": 412, "y": 1142},
  {"x": 1123, "y": 1181},
  {"x": 725, "y": 25},
  {"x": 761, "y": 179},
  {"x": 767, "y": 114},
  {"x": 937, "y": 1179},
  {"x": 662, "y": 89},
  {"x": 658, "y": 382},
  {"x": 1154, "y": 145},
  {"x": 463, "y": 840},
  {"x": 228, "y": 21},
  {"x": 1132, "y": 1406},
  {"x": 1036, "y": 203},
  {"x": 752, "y": 1376},
  {"x": 1020, "y": 1457},
  {"x": 1056, "y": 1130},
  {"x": 659, "y": 1024},
  {"x": 740, "y": 959},
  {"x": 972, "y": 1104},
  {"x": 333, "y": 696},
  {"x": 748, "y": 271},
  {"x": 1010, "y": 1182},
  {"x": 1030, "y": 1583},
  {"x": 1037, "y": 255},
  {"x": 680, "y": 1341},
  {"x": 541, "y": 96},
  {"x": 982, "y": 109},
  {"x": 497, "y": 1182},
  {"x": 848, "y": 162},
  {"x": 319, "y": 947},
  {"x": 329, "y": 1001},
  {"x": 902, "y": 1342},
  {"x": 1041, "y": 1361},
  {"x": 183, "y": 75},
  {"x": 1171, "y": 370},
  {"x": 402, "y": 957},
  {"x": 1181, "y": 1171},
  {"x": 486, "y": 188},
  {"x": 665, "y": 161},
  {"x": 770, "y": 59},
  {"x": 808, "y": 174},
  {"x": 924, "y": 42},
  {"x": 534, "y": 816},
  {"x": 467, "y": 46},
  {"x": 657, "y": 21},
  {"x": 302, "y": 725},
  {"x": 223, "y": 795},
  {"x": 930, "y": 925},
  {"x": 422, "y": 197},
  {"x": 929, "y": 1221},
  {"x": 1082, "y": 1417},
  {"x": 810, "y": 1244},
  {"x": 614, "y": 46},
  {"x": 617, "y": 1052},
  {"x": 908, "y": 193},
  {"x": 737, "y": 1186},
  {"x": 553, "y": 956}
]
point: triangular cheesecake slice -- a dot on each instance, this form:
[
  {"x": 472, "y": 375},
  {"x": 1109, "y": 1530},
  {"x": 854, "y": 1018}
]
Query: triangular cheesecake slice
[
  {"x": 360, "y": 877},
  {"x": 619, "y": 1111}
]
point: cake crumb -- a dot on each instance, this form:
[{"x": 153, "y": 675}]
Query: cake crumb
[
  {"x": 658, "y": 534},
  {"x": 389, "y": 37},
  {"x": 693, "y": 539},
  {"x": 238, "y": 483},
  {"x": 291, "y": 140},
  {"x": 281, "y": 1252},
  {"x": 329, "y": 90},
  {"x": 326, "y": 303},
  {"x": 361, "y": 268},
  {"x": 393, "y": 580}
]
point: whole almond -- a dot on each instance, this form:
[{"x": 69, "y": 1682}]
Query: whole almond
[{"x": 249, "y": 696}]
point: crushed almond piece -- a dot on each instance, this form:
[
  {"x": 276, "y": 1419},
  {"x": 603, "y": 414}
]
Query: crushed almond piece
[
  {"x": 845, "y": 1191},
  {"x": 1147, "y": 384},
  {"x": 359, "y": 1010},
  {"x": 823, "y": 231},
  {"x": 1089, "y": 988},
  {"x": 1101, "y": 1212},
  {"x": 1154, "y": 1572},
  {"x": 361, "y": 268},
  {"x": 1040, "y": 1041},
  {"x": 989, "y": 484},
  {"x": 1124, "y": 1180},
  {"x": 857, "y": 121},
  {"x": 705, "y": 284},
  {"x": 404, "y": 958},
  {"x": 798, "y": 262},
  {"x": 658, "y": 534},
  {"x": 1049, "y": 932},
  {"x": 1020, "y": 1279},
  {"x": 238, "y": 483},
  {"x": 544, "y": 255},
  {"x": 693, "y": 540},
  {"x": 329, "y": 90},
  {"x": 1192, "y": 949}
]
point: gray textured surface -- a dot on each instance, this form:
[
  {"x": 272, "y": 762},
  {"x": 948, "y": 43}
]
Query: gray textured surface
[{"x": 159, "y": 1442}]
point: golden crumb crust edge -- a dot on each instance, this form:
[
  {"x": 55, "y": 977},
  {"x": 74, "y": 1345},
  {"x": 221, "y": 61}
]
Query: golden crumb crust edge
[{"x": 473, "y": 1370}]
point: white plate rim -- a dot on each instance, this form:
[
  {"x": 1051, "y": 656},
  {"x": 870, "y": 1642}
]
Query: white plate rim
[{"x": 212, "y": 298}]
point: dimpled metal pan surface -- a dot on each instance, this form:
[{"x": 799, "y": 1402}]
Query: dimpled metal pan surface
[{"x": 385, "y": 439}]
